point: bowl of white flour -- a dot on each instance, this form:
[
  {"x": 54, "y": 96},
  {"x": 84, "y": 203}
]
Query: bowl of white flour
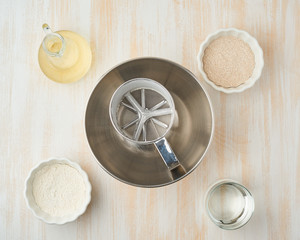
[{"x": 57, "y": 191}]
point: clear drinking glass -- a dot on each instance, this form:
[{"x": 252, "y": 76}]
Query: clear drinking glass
[{"x": 229, "y": 204}]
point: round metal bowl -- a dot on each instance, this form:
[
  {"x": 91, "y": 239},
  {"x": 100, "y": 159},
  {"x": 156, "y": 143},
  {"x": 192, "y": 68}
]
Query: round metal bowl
[{"x": 189, "y": 137}]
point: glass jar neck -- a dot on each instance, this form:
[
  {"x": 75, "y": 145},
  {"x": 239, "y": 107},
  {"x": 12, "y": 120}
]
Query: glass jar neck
[{"x": 53, "y": 44}]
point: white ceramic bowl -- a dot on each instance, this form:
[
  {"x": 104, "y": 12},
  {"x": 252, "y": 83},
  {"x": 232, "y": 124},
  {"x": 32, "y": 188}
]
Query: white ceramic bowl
[
  {"x": 258, "y": 54},
  {"x": 30, "y": 201}
]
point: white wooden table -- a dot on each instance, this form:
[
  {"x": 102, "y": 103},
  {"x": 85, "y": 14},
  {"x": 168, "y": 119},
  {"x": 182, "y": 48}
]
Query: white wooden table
[{"x": 257, "y": 135}]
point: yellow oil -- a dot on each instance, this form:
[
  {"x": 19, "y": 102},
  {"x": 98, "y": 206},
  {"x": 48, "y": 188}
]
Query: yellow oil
[
  {"x": 54, "y": 45},
  {"x": 74, "y": 62}
]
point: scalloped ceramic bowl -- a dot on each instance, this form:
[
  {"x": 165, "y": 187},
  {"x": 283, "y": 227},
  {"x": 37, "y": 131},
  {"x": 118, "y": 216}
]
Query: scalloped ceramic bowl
[
  {"x": 30, "y": 201},
  {"x": 246, "y": 37}
]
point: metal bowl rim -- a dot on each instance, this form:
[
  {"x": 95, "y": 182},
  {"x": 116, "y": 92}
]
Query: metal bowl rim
[{"x": 212, "y": 118}]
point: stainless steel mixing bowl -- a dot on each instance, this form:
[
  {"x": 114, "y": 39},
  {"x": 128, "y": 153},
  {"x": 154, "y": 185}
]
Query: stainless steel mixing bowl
[{"x": 190, "y": 135}]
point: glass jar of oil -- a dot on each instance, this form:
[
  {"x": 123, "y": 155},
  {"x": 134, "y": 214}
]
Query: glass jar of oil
[{"x": 64, "y": 56}]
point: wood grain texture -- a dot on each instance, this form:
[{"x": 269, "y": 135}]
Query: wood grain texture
[{"x": 257, "y": 135}]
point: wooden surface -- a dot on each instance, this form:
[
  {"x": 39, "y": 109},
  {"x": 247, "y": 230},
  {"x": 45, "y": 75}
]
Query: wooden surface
[{"x": 257, "y": 134}]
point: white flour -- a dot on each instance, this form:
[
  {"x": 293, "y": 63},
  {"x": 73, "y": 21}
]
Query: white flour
[{"x": 59, "y": 189}]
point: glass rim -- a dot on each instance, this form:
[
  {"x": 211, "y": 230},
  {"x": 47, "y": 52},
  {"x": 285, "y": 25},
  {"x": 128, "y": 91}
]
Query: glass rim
[
  {"x": 246, "y": 215},
  {"x": 62, "y": 49}
]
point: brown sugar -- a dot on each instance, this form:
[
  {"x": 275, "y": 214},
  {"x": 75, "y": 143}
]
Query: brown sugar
[{"x": 228, "y": 61}]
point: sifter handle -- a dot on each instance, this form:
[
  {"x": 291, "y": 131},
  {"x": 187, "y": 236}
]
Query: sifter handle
[{"x": 167, "y": 153}]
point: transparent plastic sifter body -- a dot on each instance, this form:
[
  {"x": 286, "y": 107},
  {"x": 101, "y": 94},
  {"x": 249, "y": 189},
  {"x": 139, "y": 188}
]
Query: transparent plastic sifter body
[{"x": 142, "y": 111}]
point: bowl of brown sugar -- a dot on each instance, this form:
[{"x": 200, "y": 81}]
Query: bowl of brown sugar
[{"x": 230, "y": 60}]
